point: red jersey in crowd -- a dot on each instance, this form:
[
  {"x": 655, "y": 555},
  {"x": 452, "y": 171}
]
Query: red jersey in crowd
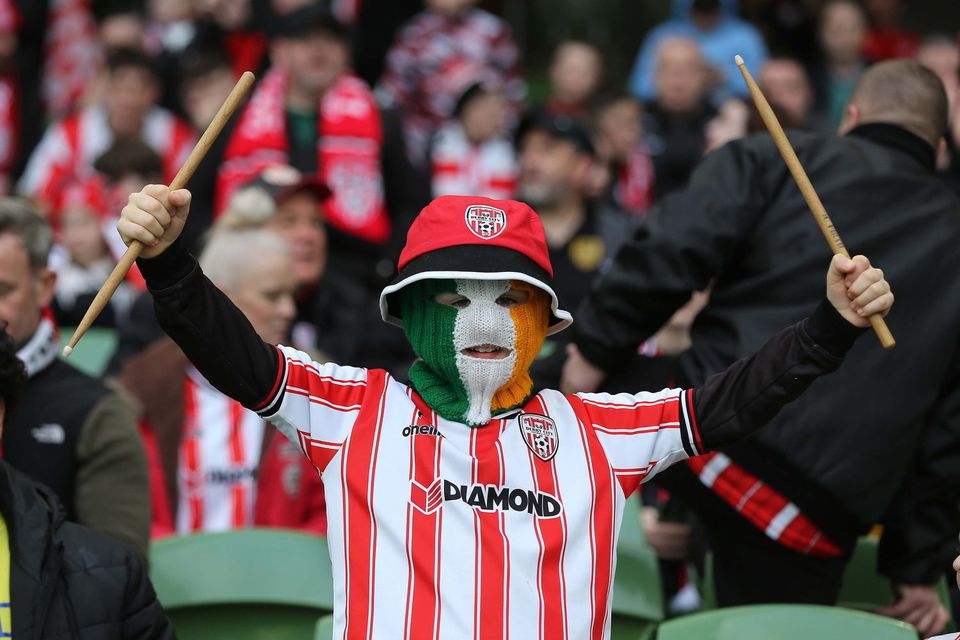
[
  {"x": 461, "y": 168},
  {"x": 436, "y": 57},
  {"x": 69, "y": 148}
]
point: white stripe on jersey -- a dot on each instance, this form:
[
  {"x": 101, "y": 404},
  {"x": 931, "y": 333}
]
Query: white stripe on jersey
[{"x": 447, "y": 531}]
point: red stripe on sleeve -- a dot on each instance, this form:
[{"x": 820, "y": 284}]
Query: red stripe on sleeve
[
  {"x": 281, "y": 362},
  {"x": 693, "y": 420}
]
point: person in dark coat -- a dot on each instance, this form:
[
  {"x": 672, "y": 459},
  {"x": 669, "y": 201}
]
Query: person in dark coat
[
  {"x": 785, "y": 509},
  {"x": 59, "y": 579}
]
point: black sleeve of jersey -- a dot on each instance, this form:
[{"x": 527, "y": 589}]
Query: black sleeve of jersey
[
  {"x": 213, "y": 333},
  {"x": 734, "y": 403}
]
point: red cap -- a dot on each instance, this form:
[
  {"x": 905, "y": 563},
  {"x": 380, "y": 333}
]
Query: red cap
[
  {"x": 451, "y": 221},
  {"x": 475, "y": 238}
]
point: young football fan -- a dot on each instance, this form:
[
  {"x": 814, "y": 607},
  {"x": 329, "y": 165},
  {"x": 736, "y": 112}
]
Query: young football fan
[{"x": 467, "y": 503}]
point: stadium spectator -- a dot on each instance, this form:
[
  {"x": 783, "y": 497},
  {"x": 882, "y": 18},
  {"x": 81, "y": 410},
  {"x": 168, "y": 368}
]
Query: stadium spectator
[
  {"x": 70, "y": 147},
  {"x": 437, "y": 53},
  {"x": 9, "y": 96},
  {"x": 471, "y": 154},
  {"x": 783, "y": 511},
  {"x": 714, "y": 26},
  {"x": 84, "y": 446},
  {"x": 57, "y": 575},
  {"x": 576, "y": 72},
  {"x": 620, "y": 144},
  {"x": 841, "y": 34},
  {"x": 203, "y": 447},
  {"x": 555, "y": 156},
  {"x": 941, "y": 54},
  {"x": 121, "y": 29},
  {"x": 309, "y": 93},
  {"x": 675, "y": 122},
  {"x": 887, "y": 37},
  {"x": 787, "y": 88}
]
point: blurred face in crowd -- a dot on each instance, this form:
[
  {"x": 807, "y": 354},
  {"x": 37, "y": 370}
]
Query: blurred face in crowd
[
  {"x": 843, "y": 29},
  {"x": 681, "y": 78},
  {"x": 575, "y": 72},
  {"x": 81, "y": 236},
  {"x": 619, "y": 127},
  {"x": 166, "y": 11},
  {"x": 122, "y": 31},
  {"x": 450, "y": 7},
  {"x": 484, "y": 117},
  {"x": 264, "y": 293},
  {"x": 283, "y": 7},
  {"x": 24, "y": 293},
  {"x": 784, "y": 83},
  {"x": 943, "y": 58},
  {"x": 314, "y": 60},
  {"x": 229, "y": 14},
  {"x": 884, "y": 12},
  {"x": 203, "y": 96},
  {"x": 552, "y": 170},
  {"x": 129, "y": 95},
  {"x": 299, "y": 221}
]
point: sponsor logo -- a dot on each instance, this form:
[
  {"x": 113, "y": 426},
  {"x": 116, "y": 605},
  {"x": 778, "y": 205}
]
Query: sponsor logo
[
  {"x": 540, "y": 434},
  {"x": 485, "y": 222},
  {"x": 485, "y": 497},
  {"x": 49, "y": 434},
  {"x": 229, "y": 476},
  {"x": 423, "y": 430}
]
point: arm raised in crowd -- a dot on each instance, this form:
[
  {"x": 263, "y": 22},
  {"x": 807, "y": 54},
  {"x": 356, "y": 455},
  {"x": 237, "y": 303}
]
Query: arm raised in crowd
[{"x": 216, "y": 337}]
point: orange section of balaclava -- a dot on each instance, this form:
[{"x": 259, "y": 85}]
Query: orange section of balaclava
[{"x": 530, "y": 320}]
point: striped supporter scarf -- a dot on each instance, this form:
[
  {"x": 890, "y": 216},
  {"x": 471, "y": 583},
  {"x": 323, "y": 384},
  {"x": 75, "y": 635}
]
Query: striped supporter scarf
[{"x": 459, "y": 387}]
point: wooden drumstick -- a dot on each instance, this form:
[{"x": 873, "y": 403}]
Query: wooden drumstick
[
  {"x": 806, "y": 188},
  {"x": 179, "y": 182}
]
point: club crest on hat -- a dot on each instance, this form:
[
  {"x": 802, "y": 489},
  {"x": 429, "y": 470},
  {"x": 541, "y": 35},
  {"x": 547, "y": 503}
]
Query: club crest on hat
[
  {"x": 540, "y": 434},
  {"x": 484, "y": 221}
]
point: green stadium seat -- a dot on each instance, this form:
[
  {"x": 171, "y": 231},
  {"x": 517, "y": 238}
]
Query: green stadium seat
[
  {"x": 785, "y": 622},
  {"x": 249, "y": 584},
  {"x": 92, "y": 354},
  {"x": 324, "y": 629},
  {"x": 865, "y": 589},
  {"x": 637, "y": 594}
]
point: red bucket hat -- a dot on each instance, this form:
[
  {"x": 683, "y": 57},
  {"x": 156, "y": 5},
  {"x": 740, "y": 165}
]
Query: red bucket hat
[{"x": 467, "y": 237}]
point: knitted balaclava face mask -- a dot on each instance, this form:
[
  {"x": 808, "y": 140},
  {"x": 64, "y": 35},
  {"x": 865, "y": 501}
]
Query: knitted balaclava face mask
[{"x": 471, "y": 388}]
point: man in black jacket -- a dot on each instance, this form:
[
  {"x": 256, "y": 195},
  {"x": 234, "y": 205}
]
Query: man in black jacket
[
  {"x": 62, "y": 580},
  {"x": 886, "y": 425}
]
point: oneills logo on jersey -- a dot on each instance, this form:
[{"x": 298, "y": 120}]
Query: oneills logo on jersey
[
  {"x": 485, "y": 222},
  {"x": 540, "y": 434},
  {"x": 485, "y": 497}
]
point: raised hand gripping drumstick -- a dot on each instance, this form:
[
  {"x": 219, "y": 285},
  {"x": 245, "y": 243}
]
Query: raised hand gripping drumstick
[
  {"x": 806, "y": 188},
  {"x": 179, "y": 182}
]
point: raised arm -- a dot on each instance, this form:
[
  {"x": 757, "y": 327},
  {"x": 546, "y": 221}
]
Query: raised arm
[{"x": 216, "y": 337}]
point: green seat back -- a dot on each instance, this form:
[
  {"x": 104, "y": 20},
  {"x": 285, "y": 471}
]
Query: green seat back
[
  {"x": 248, "y": 584},
  {"x": 865, "y": 589},
  {"x": 324, "y": 629},
  {"x": 93, "y": 352},
  {"x": 785, "y": 622},
  {"x": 637, "y": 594}
]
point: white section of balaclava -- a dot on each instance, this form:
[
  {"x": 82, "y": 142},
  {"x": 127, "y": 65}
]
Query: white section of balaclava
[{"x": 483, "y": 322}]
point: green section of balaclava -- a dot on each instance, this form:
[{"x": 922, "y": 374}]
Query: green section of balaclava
[{"x": 429, "y": 327}]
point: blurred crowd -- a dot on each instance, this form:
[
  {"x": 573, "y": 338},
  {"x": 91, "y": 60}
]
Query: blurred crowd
[{"x": 301, "y": 206}]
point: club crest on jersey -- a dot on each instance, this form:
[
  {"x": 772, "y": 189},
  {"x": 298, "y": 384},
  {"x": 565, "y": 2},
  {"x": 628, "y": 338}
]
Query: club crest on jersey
[
  {"x": 485, "y": 222},
  {"x": 540, "y": 434}
]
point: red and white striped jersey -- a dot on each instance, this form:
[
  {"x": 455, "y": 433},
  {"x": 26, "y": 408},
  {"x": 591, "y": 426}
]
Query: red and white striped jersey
[
  {"x": 69, "y": 148},
  {"x": 218, "y": 459},
  {"x": 440, "y": 530}
]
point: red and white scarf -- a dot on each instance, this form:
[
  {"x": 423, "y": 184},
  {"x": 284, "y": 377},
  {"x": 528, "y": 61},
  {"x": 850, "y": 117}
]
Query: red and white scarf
[
  {"x": 634, "y": 182},
  {"x": 72, "y": 55},
  {"x": 348, "y": 151}
]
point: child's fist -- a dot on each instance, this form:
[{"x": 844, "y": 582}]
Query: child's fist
[
  {"x": 857, "y": 290},
  {"x": 155, "y": 216}
]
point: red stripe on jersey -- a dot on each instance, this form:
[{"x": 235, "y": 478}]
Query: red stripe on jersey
[
  {"x": 281, "y": 365},
  {"x": 323, "y": 402},
  {"x": 602, "y": 513},
  {"x": 238, "y": 493},
  {"x": 191, "y": 456},
  {"x": 637, "y": 417},
  {"x": 423, "y": 535},
  {"x": 693, "y": 420},
  {"x": 335, "y": 393},
  {"x": 552, "y": 535},
  {"x": 491, "y": 589},
  {"x": 357, "y": 477},
  {"x": 320, "y": 452}
]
